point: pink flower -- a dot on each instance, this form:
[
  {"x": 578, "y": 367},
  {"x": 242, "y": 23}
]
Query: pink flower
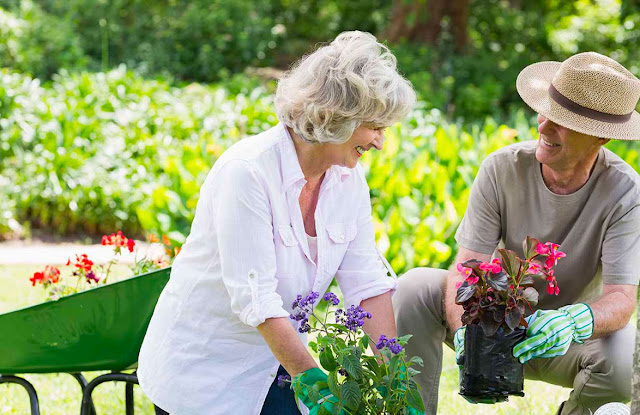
[
  {"x": 490, "y": 266},
  {"x": 473, "y": 280},
  {"x": 542, "y": 249},
  {"x": 458, "y": 284},
  {"x": 464, "y": 270},
  {"x": 533, "y": 268}
]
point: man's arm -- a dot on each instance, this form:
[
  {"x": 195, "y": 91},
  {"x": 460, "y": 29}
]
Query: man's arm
[
  {"x": 454, "y": 311},
  {"x": 613, "y": 310}
]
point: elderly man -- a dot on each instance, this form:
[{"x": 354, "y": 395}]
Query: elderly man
[{"x": 569, "y": 189}]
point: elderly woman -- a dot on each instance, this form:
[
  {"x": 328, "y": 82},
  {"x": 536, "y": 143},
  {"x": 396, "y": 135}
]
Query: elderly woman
[{"x": 280, "y": 214}]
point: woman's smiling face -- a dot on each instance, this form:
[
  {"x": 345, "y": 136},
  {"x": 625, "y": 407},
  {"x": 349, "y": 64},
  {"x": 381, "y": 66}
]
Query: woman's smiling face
[{"x": 348, "y": 153}]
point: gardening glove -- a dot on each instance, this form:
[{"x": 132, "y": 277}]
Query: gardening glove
[
  {"x": 458, "y": 344},
  {"x": 550, "y": 332},
  {"x": 309, "y": 378}
]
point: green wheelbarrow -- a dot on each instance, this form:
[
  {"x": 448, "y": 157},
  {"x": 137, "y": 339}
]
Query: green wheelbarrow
[{"x": 98, "y": 329}]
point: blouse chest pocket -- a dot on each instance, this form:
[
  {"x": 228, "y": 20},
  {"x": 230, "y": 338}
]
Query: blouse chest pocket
[
  {"x": 340, "y": 234},
  {"x": 286, "y": 235},
  {"x": 288, "y": 253}
]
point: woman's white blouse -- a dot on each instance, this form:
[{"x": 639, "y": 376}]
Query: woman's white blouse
[{"x": 245, "y": 260}]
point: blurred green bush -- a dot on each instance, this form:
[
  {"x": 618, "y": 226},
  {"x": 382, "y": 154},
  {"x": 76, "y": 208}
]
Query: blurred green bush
[
  {"x": 96, "y": 152},
  {"x": 212, "y": 40}
]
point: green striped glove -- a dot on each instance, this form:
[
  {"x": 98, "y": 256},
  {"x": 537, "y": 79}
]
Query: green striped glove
[
  {"x": 317, "y": 397},
  {"x": 458, "y": 344},
  {"x": 550, "y": 332}
]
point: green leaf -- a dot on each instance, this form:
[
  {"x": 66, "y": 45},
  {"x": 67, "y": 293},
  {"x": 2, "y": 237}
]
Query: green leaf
[
  {"x": 510, "y": 261},
  {"x": 413, "y": 397},
  {"x": 350, "y": 392},
  {"x": 327, "y": 360},
  {"x": 529, "y": 247},
  {"x": 332, "y": 382},
  {"x": 352, "y": 365},
  {"x": 326, "y": 340},
  {"x": 531, "y": 295},
  {"x": 404, "y": 339}
]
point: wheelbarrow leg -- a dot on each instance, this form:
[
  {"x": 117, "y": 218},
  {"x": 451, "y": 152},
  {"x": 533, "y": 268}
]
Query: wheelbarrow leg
[
  {"x": 83, "y": 384},
  {"x": 128, "y": 397},
  {"x": 33, "y": 396},
  {"x": 109, "y": 377}
]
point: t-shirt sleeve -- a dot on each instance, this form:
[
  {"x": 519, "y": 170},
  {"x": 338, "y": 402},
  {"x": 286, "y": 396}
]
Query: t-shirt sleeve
[
  {"x": 621, "y": 250},
  {"x": 480, "y": 229}
]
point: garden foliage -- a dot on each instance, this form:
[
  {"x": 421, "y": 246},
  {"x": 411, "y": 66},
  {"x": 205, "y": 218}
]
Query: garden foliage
[{"x": 93, "y": 152}]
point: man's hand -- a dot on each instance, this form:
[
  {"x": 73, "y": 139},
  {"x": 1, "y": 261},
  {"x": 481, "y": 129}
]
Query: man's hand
[
  {"x": 305, "y": 381},
  {"x": 550, "y": 332}
]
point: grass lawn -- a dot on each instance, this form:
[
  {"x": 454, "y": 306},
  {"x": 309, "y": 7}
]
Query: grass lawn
[{"x": 59, "y": 394}]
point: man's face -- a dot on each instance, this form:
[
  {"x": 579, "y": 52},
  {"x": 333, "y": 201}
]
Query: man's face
[{"x": 560, "y": 148}]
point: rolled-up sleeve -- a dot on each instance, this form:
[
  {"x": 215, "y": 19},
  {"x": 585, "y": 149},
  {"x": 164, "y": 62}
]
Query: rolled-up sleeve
[
  {"x": 242, "y": 223},
  {"x": 364, "y": 272}
]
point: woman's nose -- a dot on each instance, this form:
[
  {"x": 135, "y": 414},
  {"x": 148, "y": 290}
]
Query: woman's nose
[{"x": 378, "y": 142}]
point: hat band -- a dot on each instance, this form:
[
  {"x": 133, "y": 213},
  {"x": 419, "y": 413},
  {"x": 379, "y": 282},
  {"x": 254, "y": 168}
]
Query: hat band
[{"x": 576, "y": 108}]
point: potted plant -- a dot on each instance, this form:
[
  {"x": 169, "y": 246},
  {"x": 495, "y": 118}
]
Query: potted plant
[
  {"x": 363, "y": 383},
  {"x": 496, "y": 297}
]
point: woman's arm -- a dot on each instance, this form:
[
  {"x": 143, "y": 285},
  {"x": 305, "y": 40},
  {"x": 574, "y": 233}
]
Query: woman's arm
[
  {"x": 382, "y": 320},
  {"x": 286, "y": 346}
]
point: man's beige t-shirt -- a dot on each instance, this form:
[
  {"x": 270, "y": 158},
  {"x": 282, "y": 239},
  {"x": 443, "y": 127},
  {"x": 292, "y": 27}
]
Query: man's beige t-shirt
[{"x": 598, "y": 226}]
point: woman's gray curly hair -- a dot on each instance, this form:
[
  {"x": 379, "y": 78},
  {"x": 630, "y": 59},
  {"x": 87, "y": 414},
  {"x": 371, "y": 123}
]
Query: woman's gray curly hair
[{"x": 347, "y": 83}]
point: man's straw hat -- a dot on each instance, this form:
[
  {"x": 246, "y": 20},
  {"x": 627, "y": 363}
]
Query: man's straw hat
[{"x": 589, "y": 93}]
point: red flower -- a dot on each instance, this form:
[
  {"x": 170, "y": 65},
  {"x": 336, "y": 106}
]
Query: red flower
[
  {"x": 550, "y": 288},
  {"x": 130, "y": 244},
  {"x": 82, "y": 262},
  {"x": 37, "y": 278},
  {"x": 50, "y": 275}
]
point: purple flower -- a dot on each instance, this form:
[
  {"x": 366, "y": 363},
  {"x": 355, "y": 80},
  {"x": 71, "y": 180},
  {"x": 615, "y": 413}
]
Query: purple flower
[
  {"x": 304, "y": 326},
  {"x": 91, "y": 276},
  {"x": 352, "y": 318},
  {"x": 331, "y": 297},
  {"x": 392, "y": 344},
  {"x": 382, "y": 342},
  {"x": 283, "y": 380},
  {"x": 302, "y": 307}
]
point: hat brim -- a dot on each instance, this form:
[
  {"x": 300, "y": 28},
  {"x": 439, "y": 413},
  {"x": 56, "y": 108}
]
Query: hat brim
[{"x": 533, "y": 84}]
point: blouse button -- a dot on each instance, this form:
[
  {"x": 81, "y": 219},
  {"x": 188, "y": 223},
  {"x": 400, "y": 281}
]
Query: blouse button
[
  {"x": 252, "y": 274},
  {"x": 342, "y": 237}
]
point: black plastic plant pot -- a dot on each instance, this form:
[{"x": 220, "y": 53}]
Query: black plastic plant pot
[{"x": 490, "y": 373}]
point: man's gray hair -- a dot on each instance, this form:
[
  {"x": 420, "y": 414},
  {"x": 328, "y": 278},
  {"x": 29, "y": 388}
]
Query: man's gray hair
[{"x": 351, "y": 81}]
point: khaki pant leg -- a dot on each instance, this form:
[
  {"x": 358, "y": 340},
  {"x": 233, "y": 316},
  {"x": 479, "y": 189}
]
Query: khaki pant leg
[
  {"x": 599, "y": 371},
  {"x": 419, "y": 311}
]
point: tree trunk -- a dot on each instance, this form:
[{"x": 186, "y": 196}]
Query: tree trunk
[
  {"x": 420, "y": 21},
  {"x": 635, "y": 400}
]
